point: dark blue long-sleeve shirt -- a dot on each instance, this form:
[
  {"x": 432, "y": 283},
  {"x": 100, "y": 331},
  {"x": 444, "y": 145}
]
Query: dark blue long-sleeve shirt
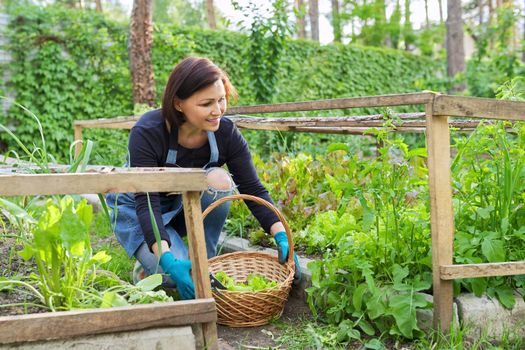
[{"x": 148, "y": 147}]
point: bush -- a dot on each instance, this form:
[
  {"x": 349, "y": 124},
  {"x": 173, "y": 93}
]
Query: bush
[{"x": 69, "y": 64}]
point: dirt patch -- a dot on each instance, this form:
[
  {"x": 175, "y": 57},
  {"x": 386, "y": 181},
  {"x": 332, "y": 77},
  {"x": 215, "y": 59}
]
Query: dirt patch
[
  {"x": 17, "y": 300},
  {"x": 265, "y": 336}
]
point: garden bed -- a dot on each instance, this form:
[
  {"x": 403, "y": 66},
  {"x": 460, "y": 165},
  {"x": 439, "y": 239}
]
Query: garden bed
[{"x": 12, "y": 265}]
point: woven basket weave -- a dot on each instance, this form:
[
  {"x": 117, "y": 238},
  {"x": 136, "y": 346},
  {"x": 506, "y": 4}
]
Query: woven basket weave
[{"x": 250, "y": 309}]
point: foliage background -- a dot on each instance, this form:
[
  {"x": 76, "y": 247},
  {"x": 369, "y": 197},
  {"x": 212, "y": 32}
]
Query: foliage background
[{"x": 70, "y": 65}]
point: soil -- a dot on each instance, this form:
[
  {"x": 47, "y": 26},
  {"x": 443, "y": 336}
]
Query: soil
[
  {"x": 265, "y": 336},
  {"x": 12, "y": 266}
]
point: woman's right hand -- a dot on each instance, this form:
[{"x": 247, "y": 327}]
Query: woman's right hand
[{"x": 179, "y": 271}]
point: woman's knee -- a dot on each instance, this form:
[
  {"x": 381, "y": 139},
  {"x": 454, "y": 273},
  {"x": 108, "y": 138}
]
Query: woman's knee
[{"x": 219, "y": 179}]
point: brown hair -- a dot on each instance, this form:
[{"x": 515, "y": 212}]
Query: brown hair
[{"x": 189, "y": 76}]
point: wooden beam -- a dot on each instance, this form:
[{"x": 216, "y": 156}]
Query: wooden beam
[
  {"x": 199, "y": 259},
  {"x": 451, "y": 272},
  {"x": 289, "y": 124},
  {"x": 341, "y": 103},
  {"x": 78, "y": 139},
  {"x": 173, "y": 180},
  {"x": 332, "y": 130},
  {"x": 108, "y": 123},
  {"x": 67, "y": 324},
  {"x": 441, "y": 214},
  {"x": 475, "y": 107}
]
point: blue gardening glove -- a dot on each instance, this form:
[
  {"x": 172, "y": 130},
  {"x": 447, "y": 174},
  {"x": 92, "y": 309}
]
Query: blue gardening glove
[
  {"x": 179, "y": 271},
  {"x": 282, "y": 250}
]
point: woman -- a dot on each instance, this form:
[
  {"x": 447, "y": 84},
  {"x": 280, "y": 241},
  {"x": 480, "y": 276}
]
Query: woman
[{"x": 189, "y": 131}]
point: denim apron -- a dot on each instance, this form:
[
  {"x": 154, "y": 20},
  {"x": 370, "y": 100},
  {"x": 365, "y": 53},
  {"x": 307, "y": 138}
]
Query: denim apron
[{"x": 124, "y": 218}]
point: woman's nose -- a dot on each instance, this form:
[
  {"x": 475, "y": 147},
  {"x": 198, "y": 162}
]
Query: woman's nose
[{"x": 216, "y": 109}]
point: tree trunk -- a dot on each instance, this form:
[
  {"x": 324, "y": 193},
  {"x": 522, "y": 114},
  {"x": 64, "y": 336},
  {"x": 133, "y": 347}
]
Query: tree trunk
[
  {"x": 427, "y": 20},
  {"x": 407, "y": 27},
  {"x": 480, "y": 8},
  {"x": 336, "y": 21},
  {"x": 454, "y": 42},
  {"x": 313, "y": 11},
  {"x": 210, "y": 14},
  {"x": 299, "y": 9},
  {"x": 140, "y": 41},
  {"x": 440, "y": 3},
  {"x": 98, "y": 5},
  {"x": 491, "y": 11},
  {"x": 523, "y": 45}
]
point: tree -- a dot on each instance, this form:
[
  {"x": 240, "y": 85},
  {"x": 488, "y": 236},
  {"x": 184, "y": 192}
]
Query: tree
[
  {"x": 140, "y": 41},
  {"x": 440, "y": 3},
  {"x": 408, "y": 32},
  {"x": 182, "y": 12},
  {"x": 454, "y": 41},
  {"x": 299, "y": 15},
  {"x": 395, "y": 26},
  {"x": 98, "y": 5},
  {"x": 313, "y": 11},
  {"x": 427, "y": 20},
  {"x": 336, "y": 21},
  {"x": 210, "y": 14}
]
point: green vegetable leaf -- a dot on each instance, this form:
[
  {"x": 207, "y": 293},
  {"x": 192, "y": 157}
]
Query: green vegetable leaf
[
  {"x": 112, "y": 299},
  {"x": 505, "y": 296},
  {"x": 150, "y": 283},
  {"x": 493, "y": 250}
]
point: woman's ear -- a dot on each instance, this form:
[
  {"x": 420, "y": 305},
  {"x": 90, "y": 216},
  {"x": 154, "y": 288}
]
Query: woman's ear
[{"x": 176, "y": 104}]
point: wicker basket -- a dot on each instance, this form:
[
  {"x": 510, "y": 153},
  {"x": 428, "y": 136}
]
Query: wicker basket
[{"x": 250, "y": 309}]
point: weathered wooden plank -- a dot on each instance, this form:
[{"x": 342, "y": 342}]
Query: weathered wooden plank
[
  {"x": 341, "y": 103},
  {"x": 475, "y": 107},
  {"x": 199, "y": 259},
  {"x": 335, "y": 130},
  {"x": 451, "y": 272},
  {"x": 288, "y": 124},
  {"x": 174, "y": 180},
  {"x": 78, "y": 139},
  {"x": 67, "y": 324},
  {"x": 441, "y": 214},
  {"x": 124, "y": 121}
]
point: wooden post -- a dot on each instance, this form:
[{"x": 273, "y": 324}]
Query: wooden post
[
  {"x": 78, "y": 137},
  {"x": 199, "y": 259},
  {"x": 441, "y": 214}
]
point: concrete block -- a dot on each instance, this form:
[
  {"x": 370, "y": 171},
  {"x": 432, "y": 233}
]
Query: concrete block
[
  {"x": 487, "y": 315},
  {"x": 173, "y": 338},
  {"x": 425, "y": 317}
]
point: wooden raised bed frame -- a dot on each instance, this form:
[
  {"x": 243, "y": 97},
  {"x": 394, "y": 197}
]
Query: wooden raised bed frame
[
  {"x": 434, "y": 122},
  {"x": 200, "y": 312}
]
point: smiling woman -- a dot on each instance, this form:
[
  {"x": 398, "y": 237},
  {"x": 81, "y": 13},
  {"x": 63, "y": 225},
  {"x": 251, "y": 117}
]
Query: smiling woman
[{"x": 188, "y": 131}]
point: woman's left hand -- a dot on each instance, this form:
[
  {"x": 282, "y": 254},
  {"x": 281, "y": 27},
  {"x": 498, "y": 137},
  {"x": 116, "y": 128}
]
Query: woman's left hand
[{"x": 282, "y": 251}]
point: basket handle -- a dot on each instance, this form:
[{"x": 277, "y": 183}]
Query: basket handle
[{"x": 262, "y": 202}]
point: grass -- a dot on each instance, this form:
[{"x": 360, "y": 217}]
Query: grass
[
  {"x": 312, "y": 335},
  {"x": 103, "y": 239}
]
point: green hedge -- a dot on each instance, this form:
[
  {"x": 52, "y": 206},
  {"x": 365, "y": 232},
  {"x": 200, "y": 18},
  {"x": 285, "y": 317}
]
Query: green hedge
[{"x": 70, "y": 64}]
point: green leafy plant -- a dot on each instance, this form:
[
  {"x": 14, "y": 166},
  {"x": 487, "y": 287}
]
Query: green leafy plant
[
  {"x": 254, "y": 282},
  {"x": 62, "y": 253}
]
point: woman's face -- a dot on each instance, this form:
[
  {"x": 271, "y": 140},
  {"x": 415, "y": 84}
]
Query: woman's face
[{"x": 204, "y": 109}]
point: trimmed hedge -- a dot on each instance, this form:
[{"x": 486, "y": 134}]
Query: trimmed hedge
[{"x": 70, "y": 64}]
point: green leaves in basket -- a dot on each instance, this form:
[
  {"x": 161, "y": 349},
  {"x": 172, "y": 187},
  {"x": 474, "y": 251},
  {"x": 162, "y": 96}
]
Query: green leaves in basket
[{"x": 254, "y": 283}]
